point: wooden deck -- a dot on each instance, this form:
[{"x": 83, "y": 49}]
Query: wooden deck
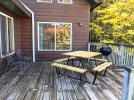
[{"x": 36, "y": 84}]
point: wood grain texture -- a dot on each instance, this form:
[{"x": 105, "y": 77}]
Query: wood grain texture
[
  {"x": 82, "y": 54},
  {"x": 70, "y": 68},
  {"x": 63, "y": 59},
  {"x": 36, "y": 84},
  {"x": 102, "y": 66}
]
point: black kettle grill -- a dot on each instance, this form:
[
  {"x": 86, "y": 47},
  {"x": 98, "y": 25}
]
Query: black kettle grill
[{"x": 105, "y": 51}]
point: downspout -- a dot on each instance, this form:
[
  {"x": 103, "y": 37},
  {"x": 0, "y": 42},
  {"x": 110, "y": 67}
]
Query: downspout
[{"x": 33, "y": 35}]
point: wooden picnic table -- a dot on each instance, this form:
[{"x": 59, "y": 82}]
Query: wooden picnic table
[{"x": 80, "y": 68}]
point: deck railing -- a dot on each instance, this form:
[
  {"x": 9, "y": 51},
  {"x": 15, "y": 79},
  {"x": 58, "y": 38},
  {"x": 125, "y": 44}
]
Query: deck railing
[{"x": 122, "y": 54}]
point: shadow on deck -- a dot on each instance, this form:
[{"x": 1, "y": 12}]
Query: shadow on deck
[{"x": 36, "y": 84}]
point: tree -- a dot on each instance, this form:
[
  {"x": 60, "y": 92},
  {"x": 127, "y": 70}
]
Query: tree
[{"x": 113, "y": 22}]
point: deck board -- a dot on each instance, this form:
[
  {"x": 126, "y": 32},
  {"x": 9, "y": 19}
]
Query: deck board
[{"x": 37, "y": 84}]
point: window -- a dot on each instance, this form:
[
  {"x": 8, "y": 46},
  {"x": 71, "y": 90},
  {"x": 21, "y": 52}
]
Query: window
[
  {"x": 45, "y": 1},
  {"x": 6, "y": 35},
  {"x": 54, "y": 36},
  {"x": 65, "y": 1}
]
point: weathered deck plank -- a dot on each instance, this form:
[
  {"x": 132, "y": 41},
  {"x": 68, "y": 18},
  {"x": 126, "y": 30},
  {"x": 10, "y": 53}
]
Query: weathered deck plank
[{"x": 36, "y": 84}]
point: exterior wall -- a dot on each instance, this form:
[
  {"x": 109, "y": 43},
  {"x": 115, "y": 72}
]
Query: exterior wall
[
  {"x": 26, "y": 35},
  {"x": 75, "y": 13}
]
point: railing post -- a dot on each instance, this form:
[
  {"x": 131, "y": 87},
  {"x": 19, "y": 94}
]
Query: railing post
[
  {"x": 128, "y": 88},
  {"x": 121, "y": 54}
]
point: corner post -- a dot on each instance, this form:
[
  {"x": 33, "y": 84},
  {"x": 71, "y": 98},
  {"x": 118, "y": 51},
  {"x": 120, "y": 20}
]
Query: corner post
[{"x": 128, "y": 86}]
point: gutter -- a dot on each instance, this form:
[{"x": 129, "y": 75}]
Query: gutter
[{"x": 33, "y": 31}]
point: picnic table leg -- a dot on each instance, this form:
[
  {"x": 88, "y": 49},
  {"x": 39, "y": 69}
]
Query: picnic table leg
[
  {"x": 57, "y": 71},
  {"x": 81, "y": 81},
  {"x": 53, "y": 78},
  {"x": 95, "y": 62},
  {"x": 105, "y": 72},
  {"x": 69, "y": 61},
  {"x": 95, "y": 77},
  {"x": 81, "y": 64},
  {"x": 85, "y": 77}
]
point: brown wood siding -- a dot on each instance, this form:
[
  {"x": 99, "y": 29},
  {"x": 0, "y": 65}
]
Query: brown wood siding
[
  {"x": 74, "y": 13},
  {"x": 26, "y": 35}
]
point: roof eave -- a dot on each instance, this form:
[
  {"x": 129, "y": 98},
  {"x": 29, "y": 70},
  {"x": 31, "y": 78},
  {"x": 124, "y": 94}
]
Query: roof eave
[
  {"x": 94, "y": 3},
  {"x": 15, "y": 7}
]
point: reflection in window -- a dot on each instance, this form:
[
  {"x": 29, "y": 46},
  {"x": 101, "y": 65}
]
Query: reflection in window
[
  {"x": 63, "y": 32},
  {"x": 7, "y": 35},
  {"x": 55, "y": 36},
  {"x": 47, "y": 36},
  {"x": 45, "y": 1},
  {"x": 4, "y": 35},
  {"x": 65, "y": 1}
]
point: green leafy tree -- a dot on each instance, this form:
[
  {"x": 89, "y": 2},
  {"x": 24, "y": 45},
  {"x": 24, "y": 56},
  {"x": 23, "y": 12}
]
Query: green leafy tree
[{"x": 113, "y": 22}]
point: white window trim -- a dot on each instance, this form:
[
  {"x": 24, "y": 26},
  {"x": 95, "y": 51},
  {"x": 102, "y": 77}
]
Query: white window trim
[
  {"x": 7, "y": 35},
  {"x": 65, "y": 3},
  {"x": 55, "y": 37},
  {"x": 0, "y": 40},
  {"x": 44, "y": 1}
]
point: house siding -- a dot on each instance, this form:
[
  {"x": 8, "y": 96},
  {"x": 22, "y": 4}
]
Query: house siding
[
  {"x": 26, "y": 35},
  {"x": 75, "y": 13}
]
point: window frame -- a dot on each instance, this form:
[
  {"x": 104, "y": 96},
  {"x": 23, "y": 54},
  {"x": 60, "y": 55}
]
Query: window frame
[
  {"x": 44, "y": 1},
  {"x": 64, "y": 3},
  {"x": 6, "y": 16},
  {"x": 38, "y": 33}
]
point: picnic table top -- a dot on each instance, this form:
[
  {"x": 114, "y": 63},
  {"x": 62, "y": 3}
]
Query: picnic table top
[{"x": 82, "y": 54}]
